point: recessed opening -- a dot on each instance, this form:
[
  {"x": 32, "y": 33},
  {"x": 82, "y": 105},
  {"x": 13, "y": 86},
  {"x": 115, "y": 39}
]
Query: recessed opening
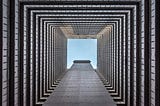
[{"x": 82, "y": 49}]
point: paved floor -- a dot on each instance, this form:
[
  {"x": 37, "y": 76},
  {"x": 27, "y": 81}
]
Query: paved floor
[{"x": 80, "y": 86}]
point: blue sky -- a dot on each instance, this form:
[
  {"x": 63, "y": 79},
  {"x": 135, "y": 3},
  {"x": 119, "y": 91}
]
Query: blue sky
[{"x": 82, "y": 49}]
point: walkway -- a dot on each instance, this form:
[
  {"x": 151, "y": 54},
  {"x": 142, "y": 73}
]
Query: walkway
[{"x": 80, "y": 86}]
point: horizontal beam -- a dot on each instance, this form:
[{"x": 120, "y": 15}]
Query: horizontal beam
[{"x": 98, "y": 2}]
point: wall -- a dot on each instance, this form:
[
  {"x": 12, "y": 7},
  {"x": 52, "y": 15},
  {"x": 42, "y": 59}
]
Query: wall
[
  {"x": 140, "y": 57},
  {"x": 28, "y": 56}
]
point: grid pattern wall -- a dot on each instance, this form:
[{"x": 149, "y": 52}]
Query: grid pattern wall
[
  {"x": 152, "y": 57},
  {"x": 16, "y": 78},
  {"x": 147, "y": 53},
  {"x": 60, "y": 50},
  {"x": 129, "y": 59},
  {"x": 142, "y": 53},
  {"x": 110, "y": 52},
  {"x": 134, "y": 60},
  {"x": 5, "y": 52},
  {"x": 30, "y": 65},
  {"x": 138, "y": 56},
  {"x": 24, "y": 58},
  {"x": 28, "y": 54}
]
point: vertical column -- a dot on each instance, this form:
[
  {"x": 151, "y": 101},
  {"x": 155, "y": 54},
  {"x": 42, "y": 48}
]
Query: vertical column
[
  {"x": 138, "y": 54},
  {"x": 142, "y": 65},
  {"x": 114, "y": 56},
  {"x": 34, "y": 61},
  {"x": 38, "y": 58},
  {"x": 41, "y": 35},
  {"x": 126, "y": 70},
  {"x": 44, "y": 58},
  {"x": 1, "y": 45},
  {"x": 129, "y": 60},
  {"x": 111, "y": 56},
  {"x": 54, "y": 55},
  {"x": 28, "y": 58},
  {"x": 132, "y": 59},
  {"x": 147, "y": 48},
  {"x": 123, "y": 59},
  {"x": 4, "y": 52},
  {"x": 31, "y": 59},
  {"x": 52, "y": 58},
  {"x": 120, "y": 58},
  {"x": 11, "y": 35},
  {"x": 47, "y": 56},
  {"x": 118, "y": 49},
  {"x": 20, "y": 58},
  {"x": 117, "y": 56},
  {"x": 16, "y": 77},
  {"x": 37, "y": 46},
  {"x": 157, "y": 52},
  {"x": 152, "y": 55},
  {"x": 24, "y": 77},
  {"x": 142, "y": 43}
]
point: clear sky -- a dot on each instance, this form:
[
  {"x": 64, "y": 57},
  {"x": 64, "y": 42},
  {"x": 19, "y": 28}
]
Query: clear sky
[{"x": 82, "y": 49}]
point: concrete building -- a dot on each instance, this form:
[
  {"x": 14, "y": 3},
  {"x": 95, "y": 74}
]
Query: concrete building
[
  {"x": 80, "y": 86},
  {"x": 33, "y": 48}
]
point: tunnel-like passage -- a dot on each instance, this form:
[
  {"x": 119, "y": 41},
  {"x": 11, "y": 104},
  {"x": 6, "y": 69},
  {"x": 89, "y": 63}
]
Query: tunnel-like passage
[{"x": 33, "y": 48}]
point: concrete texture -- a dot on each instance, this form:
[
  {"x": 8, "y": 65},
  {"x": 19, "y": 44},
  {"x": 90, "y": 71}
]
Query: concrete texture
[{"x": 80, "y": 86}]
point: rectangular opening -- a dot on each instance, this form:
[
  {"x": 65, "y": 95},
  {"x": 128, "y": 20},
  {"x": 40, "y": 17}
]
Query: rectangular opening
[{"x": 82, "y": 49}]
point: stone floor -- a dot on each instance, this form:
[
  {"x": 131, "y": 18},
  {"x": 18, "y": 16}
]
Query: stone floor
[{"x": 80, "y": 86}]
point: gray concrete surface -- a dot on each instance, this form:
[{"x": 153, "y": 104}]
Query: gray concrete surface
[{"x": 80, "y": 86}]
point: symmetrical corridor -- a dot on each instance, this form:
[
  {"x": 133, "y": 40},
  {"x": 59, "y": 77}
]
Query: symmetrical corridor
[{"x": 33, "y": 52}]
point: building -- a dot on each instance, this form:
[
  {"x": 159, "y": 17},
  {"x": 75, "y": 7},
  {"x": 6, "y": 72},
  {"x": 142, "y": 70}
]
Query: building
[{"x": 33, "y": 38}]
